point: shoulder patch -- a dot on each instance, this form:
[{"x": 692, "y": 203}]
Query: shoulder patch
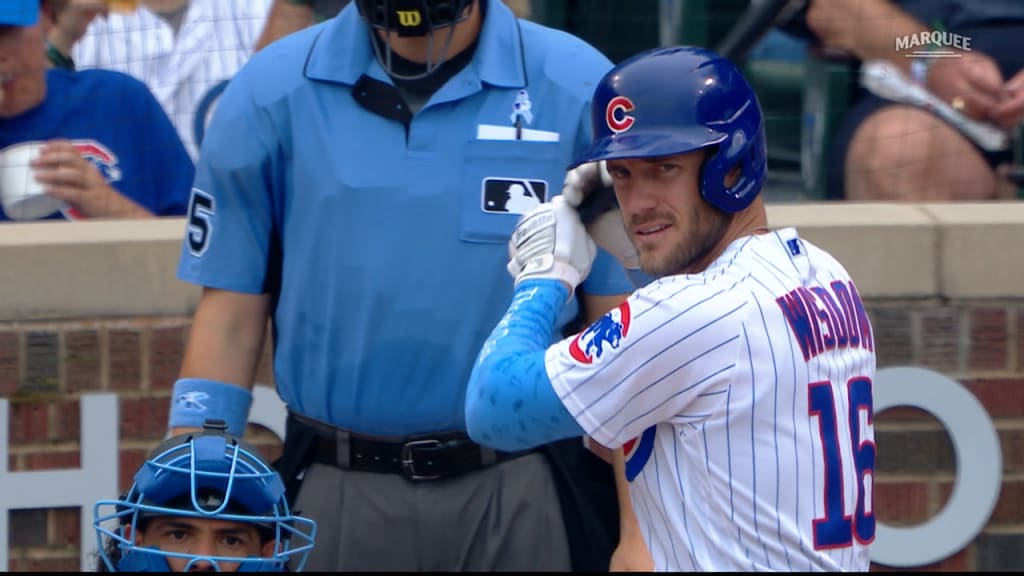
[{"x": 608, "y": 332}]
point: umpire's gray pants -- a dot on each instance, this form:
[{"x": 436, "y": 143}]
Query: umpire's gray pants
[{"x": 502, "y": 517}]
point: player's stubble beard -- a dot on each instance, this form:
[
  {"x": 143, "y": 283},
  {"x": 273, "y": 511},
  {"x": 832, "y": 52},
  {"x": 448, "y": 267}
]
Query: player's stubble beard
[{"x": 702, "y": 233}]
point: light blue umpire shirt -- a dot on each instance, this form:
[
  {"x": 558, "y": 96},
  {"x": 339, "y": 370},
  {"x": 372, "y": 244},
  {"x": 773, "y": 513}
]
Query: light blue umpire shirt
[{"x": 385, "y": 247}]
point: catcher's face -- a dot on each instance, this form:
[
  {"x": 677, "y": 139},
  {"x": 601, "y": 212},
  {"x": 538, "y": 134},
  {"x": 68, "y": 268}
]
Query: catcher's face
[
  {"x": 203, "y": 537},
  {"x": 673, "y": 228}
]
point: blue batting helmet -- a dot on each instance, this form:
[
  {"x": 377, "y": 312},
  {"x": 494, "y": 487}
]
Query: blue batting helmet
[
  {"x": 208, "y": 474},
  {"x": 669, "y": 101}
]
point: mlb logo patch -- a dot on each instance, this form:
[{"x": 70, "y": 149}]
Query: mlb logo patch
[{"x": 512, "y": 196}]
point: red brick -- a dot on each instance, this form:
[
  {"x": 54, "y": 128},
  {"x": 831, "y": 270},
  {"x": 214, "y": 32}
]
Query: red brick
[
  {"x": 892, "y": 331},
  {"x": 42, "y": 361},
  {"x": 65, "y": 526},
  {"x": 53, "y": 461},
  {"x": 1012, "y": 443},
  {"x": 82, "y": 360},
  {"x": 265, "y": 441},
  {"x": 29, "y": 422},
  {"x": 939, "y": 339},
  {"x": 144, "y": 418},
  {"x": 67, "y": 424},
  {"x": 989, "y": 338},
  {"x": 1001, "y": 397},
  {"x": 1020, "y": 340},
  {"x": 941, "y": 491},
  {"x": 959, "y": 562},
  {"x": 9, "y": 363},
  {"x": 129, "y": 464},
  {"x": 125, "y": 359},
  {"x": 69, "y": 564},
  {"x": 903, "y": 414},
  {"x": 1010, "y": 505},
  {"x": 166, "y": 352},
  {"x": 899, "y": 503},
  {"x": 32, "y": 528}
]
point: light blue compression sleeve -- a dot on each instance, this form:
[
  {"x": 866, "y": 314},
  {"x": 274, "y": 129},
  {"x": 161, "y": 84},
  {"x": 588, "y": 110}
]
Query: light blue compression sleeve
[{"x": 510, "y": 404}]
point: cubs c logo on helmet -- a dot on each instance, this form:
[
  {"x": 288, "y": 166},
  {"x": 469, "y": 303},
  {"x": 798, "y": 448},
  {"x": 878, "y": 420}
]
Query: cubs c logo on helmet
[
  {"x": 609, "y": 330},
  {"x": 616, "y": 114}
]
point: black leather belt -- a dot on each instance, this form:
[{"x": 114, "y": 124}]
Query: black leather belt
[{"x": 420, "y": 458}]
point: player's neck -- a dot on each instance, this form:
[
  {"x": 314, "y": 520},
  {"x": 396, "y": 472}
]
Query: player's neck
[{"x": 751, "y": 221}]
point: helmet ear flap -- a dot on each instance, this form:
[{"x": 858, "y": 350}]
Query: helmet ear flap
[{"x": 745, "y": 150}]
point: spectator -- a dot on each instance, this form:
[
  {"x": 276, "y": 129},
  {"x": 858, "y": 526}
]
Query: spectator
[
  {"x": 181, "y": 49},
  {"x": 73, "y": 17},
  {"x": 287, "y": 16},
  {"x": 110, "y": 150},
  {"x": 889, "y": 151},
  {"x": 353, "y": 187},
  {"x": 202, "y": 502}
]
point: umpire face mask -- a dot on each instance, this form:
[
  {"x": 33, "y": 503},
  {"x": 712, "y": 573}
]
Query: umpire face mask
[{"x": 413, "y": 19}]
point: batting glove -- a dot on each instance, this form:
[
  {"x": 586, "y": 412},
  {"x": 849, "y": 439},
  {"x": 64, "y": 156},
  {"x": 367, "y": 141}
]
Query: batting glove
[
  {"x": 588, "y": 188},
  {"x": 551, "y": 242}
]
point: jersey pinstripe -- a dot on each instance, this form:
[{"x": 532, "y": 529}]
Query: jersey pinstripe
[
  {"x": 742, "y": 398},
  {"x": 215, "y": 39}
]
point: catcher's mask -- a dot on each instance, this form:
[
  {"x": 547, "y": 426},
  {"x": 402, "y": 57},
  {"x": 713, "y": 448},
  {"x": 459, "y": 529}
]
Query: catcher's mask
[{"x": 212, "y": 475}]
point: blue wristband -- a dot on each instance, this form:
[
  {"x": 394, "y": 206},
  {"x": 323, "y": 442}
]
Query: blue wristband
[{"x": 195, "y": 399}]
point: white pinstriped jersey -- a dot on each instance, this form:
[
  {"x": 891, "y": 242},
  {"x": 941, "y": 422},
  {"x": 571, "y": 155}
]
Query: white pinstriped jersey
[
  {"x": 742, "y": 398},
  {"x": 215, "y": 39}
]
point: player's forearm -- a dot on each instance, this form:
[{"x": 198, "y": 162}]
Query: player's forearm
[
  {"x": 226, "y": 339},
  {"x": 510, "y": 403},
  {"x": 285, "y": 18},
  {"x": 628, "y": 526}
]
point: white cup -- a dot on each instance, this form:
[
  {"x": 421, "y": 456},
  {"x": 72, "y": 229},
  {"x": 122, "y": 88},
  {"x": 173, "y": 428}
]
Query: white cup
[{"x": 23, "y": 198}]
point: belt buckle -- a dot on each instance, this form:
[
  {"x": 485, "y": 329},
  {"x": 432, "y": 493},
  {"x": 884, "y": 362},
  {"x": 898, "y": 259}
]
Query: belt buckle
[{"x": 409, "y": 463}]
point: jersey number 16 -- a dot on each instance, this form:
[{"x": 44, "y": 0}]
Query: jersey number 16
[{"x": 837, "y": 529}]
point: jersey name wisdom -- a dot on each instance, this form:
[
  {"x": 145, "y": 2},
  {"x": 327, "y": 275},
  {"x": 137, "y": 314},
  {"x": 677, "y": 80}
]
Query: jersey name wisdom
[{"x": 822, "y": 320}]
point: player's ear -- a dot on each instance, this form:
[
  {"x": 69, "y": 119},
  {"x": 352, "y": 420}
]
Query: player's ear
[
  {"x": 136, "y": 537},
  {"x": 267, "y": 551},
  {"x": 733, "y": 176}
]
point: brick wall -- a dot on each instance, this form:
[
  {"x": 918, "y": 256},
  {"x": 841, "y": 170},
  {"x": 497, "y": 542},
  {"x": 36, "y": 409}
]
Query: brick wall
[{"x": 44, "y": 367}]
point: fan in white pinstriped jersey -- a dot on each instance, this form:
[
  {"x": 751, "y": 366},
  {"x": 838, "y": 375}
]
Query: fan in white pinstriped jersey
[{"x": 180, "y": 53}]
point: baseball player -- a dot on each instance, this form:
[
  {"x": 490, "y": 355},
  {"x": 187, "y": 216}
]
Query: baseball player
[
  {"x": 739, "y": 381},
  {"x": 354, "y": 188},
  {"x": 110, "y": 151},
  {"x": 201, "y": 502}
]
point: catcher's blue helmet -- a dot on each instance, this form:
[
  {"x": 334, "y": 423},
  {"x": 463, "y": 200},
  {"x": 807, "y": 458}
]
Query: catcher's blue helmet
[
  {"x": 669, "y": 101},
  {"x": 204, "y": 475}
]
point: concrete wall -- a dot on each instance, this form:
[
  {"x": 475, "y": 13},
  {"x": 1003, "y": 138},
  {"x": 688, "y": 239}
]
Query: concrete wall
[{"x": 91, "y": 307}]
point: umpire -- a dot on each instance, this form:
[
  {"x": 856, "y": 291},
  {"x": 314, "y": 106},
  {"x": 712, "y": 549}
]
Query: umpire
[{"x": 354, "y": 186}]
